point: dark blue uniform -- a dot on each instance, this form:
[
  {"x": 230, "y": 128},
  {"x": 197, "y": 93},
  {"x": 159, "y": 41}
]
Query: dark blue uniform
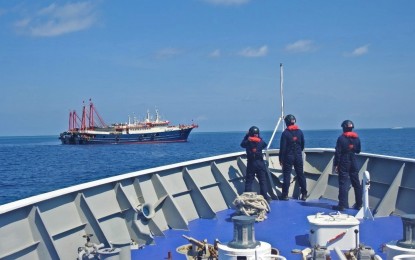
[
  {"x": 291, "y": 147},
  {"x": 256, "y": 165},
  {"x": 348, "y": 144}
]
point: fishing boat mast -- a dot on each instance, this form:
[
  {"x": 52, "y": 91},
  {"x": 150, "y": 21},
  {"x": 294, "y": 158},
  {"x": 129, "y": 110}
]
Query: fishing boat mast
[
  {"x": 73, "y": 121},
  {"x": 93, "y": 111},
  {"x": 87, "y": 121}
]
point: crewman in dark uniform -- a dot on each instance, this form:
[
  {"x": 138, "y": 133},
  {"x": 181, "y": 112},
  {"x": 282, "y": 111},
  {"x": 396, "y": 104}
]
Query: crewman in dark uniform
[
  {"x": 254, "y": 145},
  {"x": 347, "y": 146},
  {"x": 291, "y": 148}
]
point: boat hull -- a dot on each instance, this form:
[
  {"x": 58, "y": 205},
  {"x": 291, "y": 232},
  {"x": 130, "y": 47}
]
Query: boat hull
[
  {"x": 84, "y": 138},
  {"x": 141, "y": 208}
]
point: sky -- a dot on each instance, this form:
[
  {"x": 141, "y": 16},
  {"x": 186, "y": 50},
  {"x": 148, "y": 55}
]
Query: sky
[{"x": 212, "y": 62}]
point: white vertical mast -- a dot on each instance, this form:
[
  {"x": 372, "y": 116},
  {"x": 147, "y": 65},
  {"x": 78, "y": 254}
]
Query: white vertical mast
[
  {"x": 282, "y": 107},
  {"x": 272, "y": 188},
  {"x": 157, "y": 115},
  {"x": 282, "y": 91},
  {"x": 148, "y": 116}
]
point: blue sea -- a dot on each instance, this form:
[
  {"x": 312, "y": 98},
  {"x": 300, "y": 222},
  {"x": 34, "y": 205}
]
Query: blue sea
[{"x": 38, "y": 164}]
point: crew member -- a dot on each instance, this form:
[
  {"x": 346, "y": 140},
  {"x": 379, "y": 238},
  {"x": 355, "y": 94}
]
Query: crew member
[
  {"x": 347, "y": 146},
  {"x": 254, "y": 145},
  {"x": 291, "y": 154}
]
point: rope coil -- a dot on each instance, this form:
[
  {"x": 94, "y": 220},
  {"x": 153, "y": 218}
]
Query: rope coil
[{"x": 250, "y": 204}]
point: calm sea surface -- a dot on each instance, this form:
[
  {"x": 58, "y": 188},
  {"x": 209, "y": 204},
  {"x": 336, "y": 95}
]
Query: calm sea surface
[{"x": 34, "y": 165}]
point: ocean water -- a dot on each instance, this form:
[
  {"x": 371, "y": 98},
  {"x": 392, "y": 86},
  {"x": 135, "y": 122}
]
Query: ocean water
[{"x": 33, "y": 165}]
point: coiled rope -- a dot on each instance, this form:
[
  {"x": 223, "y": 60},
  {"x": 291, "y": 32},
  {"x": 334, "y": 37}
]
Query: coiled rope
[{"x": 250, "y": 204}]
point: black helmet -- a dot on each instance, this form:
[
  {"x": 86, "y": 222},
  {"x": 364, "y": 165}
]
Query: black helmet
[
  {"x": 347, "y": 125},
  {"x": 289, "y": 120},
  {"x": 253, "y": 131}
]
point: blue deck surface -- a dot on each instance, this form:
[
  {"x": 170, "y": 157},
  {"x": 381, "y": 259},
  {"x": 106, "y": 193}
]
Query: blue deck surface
[{"x": 286, "y": 229}]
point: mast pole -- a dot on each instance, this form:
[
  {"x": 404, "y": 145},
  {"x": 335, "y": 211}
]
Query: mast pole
[
  {"x": 70, "y": 121},
  {"x": 282, "y": 107},
  {"x": 271, "y": 187},
  {"x": 91, "y": 114},
  {"x": 83, "y": 122},
  {"x": 282, "y": 92}
]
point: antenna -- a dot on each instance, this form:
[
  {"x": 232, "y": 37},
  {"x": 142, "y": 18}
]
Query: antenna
[
  {"x": 271, "y": 188},
  {"x": 282, "y": 108}
]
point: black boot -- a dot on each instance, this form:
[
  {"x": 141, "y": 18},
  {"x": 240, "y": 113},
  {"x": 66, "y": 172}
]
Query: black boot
[
  {"x": 358, "y": 207},
  {"x": 303, "y": 197},
  {"x": 338, "y": 208}
]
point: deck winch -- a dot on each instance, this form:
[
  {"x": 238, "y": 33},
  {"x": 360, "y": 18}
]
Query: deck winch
[
  {"x": 243, "y": 233},
  {"x": 244, "y": 245},
  {"x": 406, "y": 245}
]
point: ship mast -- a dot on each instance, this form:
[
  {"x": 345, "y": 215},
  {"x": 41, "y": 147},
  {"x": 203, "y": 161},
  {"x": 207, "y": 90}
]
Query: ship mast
[
  {"x": 93, "y": 111},
  {"x": 71, "y": 116},
  {"x": 83, "y": 122},
  {"x": 148, "y": 116},
  {"x": 271, "y": 188},
  {"x": 157, "y": 116},
  {"x": 72, "y": 120},
  {"x": 282, "y": 108},
  {"x": 87, "y": 118}
]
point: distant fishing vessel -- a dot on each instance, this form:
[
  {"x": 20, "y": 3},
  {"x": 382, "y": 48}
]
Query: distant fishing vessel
[{"x": 86, "y": 130}]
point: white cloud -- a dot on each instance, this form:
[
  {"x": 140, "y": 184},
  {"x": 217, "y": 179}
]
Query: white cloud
[
  {"x": 227, "y": 2},
  {"x": 55, "y": 20},
  {"x": 300, "y": 46},
  {"x": 253, "y": 53},
  {"x": 167, "y": 53},
  {"x": 362, "y": 50},
  {"x": 22, "y": 22},
  {"x": 215, "y": 54}
]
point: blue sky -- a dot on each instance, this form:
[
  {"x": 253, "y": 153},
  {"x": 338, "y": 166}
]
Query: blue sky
[{"x": 215, "y": 62}]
